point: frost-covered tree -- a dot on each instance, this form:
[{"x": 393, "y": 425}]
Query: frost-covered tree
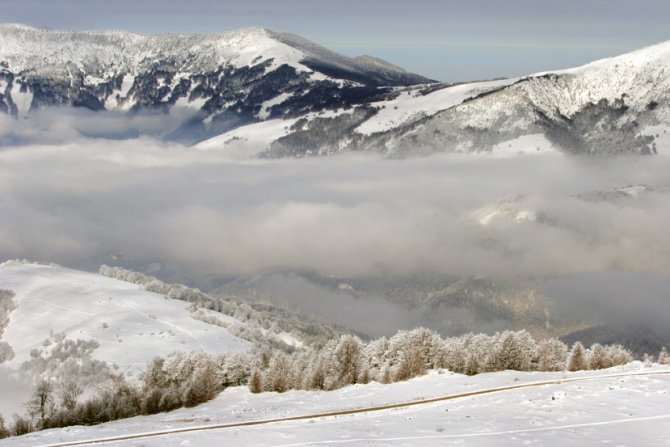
[
  {"x": 154, "y": 376},
  {"x": 346, "y": 360},
  {"x": 427, "y": 343},
  {"x": 171, "y": 399},
  {"x": 151, "y": 401},
  {"x": 597, "y": 357},
  {"x": 364, "y": 376},
  {"x": 385, "y": 374},
  {"x": 456, "y": 352},
  {"x": 577, "y": 360},
  {"x": 277, "y": 373},
  {"x": 316, "y": 373},
  {"x": 514, "y": 350},
  {"x": 552, "y": 354},
  {"x": 202, "y": 386},
  {"x": 235, "y": 369},
  {"x": 412, "y": 364},
  {"x": 663, "y": 358},
  {"x": 471, "y": 364},
  {"x": 618, "y": 355},
  {"x": 119, "y": 399},
  {"x": 375, "y": 354}
]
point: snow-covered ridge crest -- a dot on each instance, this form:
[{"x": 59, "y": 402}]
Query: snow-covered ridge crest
[
  {"x": 640, "y": 77},
  {"x": 24, "y": 47}
]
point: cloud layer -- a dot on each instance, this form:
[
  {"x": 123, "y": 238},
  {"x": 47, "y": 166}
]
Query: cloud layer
[{"x": 80, "y": 200}]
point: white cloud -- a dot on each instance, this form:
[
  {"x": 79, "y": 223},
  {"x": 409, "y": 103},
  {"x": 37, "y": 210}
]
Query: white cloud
[{"x": 79, "y": 202}]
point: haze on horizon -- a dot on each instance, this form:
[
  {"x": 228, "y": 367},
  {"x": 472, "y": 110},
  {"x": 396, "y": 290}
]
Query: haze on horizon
[{"x": 451, "y": 40}]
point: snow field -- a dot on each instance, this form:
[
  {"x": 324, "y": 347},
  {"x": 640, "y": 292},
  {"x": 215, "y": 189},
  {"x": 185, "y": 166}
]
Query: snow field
[
  {"x": 609, "y": 410},
  {"x": 130, "y": 324}
]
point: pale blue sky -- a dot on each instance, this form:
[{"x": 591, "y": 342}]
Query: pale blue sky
[{"x": 450, "y": 40}]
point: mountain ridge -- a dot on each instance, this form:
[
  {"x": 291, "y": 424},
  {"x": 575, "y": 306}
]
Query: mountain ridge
[{"x": 307, "y": 100}]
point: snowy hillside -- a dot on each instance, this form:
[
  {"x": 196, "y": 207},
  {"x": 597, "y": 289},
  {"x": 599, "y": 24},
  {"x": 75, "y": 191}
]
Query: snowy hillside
[
  {"x": 620, "y": 406},
  {"x": 615, "y": 105},
  {"x": 129, "y": 325}
]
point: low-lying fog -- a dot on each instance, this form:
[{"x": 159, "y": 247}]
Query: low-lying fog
[{"x": 68, "y": 195}]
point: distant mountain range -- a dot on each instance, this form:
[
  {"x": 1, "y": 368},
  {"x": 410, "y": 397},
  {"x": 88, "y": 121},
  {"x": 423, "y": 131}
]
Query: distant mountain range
[{"x": 255, "y": 92}]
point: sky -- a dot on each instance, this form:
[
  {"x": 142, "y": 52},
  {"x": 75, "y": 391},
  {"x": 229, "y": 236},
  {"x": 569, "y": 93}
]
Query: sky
[{"x": 448, "y": 40}]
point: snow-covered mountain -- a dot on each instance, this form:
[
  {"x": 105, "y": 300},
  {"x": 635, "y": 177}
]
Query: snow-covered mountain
[
  {"x": 226, "y": 79},
  {"x": 615, "y": 105},
  {"x": 257, "y": 92}
]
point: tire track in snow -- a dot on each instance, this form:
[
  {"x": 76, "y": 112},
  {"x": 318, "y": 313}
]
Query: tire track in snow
[
  {"x": 377, "y": 408},
  {"x": 481, "y": 434}
]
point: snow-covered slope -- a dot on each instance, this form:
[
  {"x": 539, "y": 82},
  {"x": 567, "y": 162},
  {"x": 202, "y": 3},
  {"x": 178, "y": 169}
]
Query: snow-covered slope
[
  {"x": 614, "y": 410},
  {"x": 615, "y": 105},
  {"x": 128, "y": 324}
]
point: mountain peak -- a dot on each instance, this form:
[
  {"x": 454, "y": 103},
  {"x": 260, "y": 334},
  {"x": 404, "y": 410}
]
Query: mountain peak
[{"x": 24, "y": 47}]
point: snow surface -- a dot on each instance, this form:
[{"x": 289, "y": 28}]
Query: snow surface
[
  {"x": 22, "y": 100},
  {"x": 630, "y": 410},
  {"x": 661, "y": 134},
  {"x": 525, "y": 144},
  {"x": 411, "y": 104},
  {"x": 508, "y": 209},
  {"x": 24, "y": 47},
  {"x": 267, "y": 105},
  {"x": 248, "y": 141},
  {"x": 641, "y": 75},
  {"x": 131, "y": 325}
]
